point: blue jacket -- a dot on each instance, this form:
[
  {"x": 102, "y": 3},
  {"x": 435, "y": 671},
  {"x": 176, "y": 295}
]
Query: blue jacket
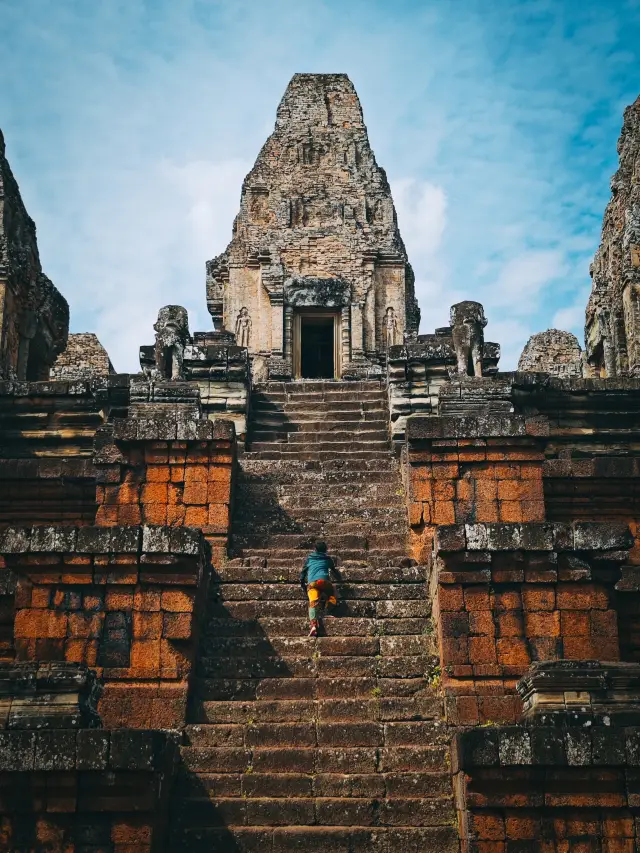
[{"x": 317, "y": 567}]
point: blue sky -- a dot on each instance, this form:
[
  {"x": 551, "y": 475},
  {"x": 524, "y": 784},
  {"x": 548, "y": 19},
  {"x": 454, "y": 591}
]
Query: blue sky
[{"x": 130, "y": 125}]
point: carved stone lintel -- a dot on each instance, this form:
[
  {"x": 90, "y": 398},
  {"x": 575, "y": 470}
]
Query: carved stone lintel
[
  {"x": 561, "y": 690},
  {"x": 48, "y": 696},
  {"x": 280, "y": 369}
]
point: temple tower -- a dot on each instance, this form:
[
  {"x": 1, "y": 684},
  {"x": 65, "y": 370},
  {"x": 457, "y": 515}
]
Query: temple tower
[
  {"x": 34, "y": 316},
  {"x": 316, "y": 280},
  {"x": 612, "y": 327}
]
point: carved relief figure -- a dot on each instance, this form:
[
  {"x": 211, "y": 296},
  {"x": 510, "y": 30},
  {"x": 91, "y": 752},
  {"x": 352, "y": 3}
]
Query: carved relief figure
[
  {"x": 243, "y": 328},
  {"x": 468, "y": 322},
  {"x": 608, "y": 349},
  {"x": 172, "y": 335},
  {"x": 390, "y": 328}
]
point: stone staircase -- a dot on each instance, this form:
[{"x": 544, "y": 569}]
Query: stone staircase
[{"x": 333, "y": 744}]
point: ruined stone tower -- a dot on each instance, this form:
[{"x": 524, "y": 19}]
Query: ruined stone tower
[
  {"x": 316, "y": 253},
  {"x": 34, "y": 316},
  {"x": 612, "y": 328}
]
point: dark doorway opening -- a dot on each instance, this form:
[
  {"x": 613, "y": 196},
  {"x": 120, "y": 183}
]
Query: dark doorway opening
[{"x": 316, "y": 347}]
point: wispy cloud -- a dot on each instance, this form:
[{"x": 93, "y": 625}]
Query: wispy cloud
[{"x": 131, "y": 124}]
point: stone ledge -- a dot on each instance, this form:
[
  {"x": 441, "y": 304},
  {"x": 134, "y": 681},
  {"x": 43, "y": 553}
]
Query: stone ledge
[
  {"x": 35, "y": 695},
  {"x": 173, "y": 427},
  {"x": 534, "y": 536},
  {"x": 546, "y": 746},
  {"x": 64, "y": 387},
  {"x": 45, "y": 469},
  {"x": 556, "y": 691},
  {"x": 421, "y": 427},
  {"x": 543, "y": 381},
  {"x": 89, "y": 750},
  {"x": 59, "y": 539}
]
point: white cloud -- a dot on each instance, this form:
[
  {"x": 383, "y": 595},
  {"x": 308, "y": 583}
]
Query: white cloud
[
  {"x": 571, "y": 318},
  {"x": 523, "y": 279},
  {"x": 511, "y": 335},
  {"x": 422, "y": 216},
  {"x": 145, "y": 244}
]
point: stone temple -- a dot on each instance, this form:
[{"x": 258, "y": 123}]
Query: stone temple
[
  {"x": 478, "y": 689},
  {"x": 316, "y": 281}
]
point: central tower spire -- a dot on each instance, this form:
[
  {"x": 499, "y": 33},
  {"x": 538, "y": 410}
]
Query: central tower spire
[{"x": 316, "y": 261}]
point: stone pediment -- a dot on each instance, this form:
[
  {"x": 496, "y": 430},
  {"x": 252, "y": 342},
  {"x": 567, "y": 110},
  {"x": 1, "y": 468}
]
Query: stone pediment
[{"x": 303, "y": 291}]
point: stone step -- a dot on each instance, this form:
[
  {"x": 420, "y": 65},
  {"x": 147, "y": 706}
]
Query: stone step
[
  {"x": 273, "y": 688},
  {"x": 245, "y": 571},
  {"x": 322, "y": 811},
  {"x": 291, "y": 591},
  {"x": 280, "y": 666},
  {"x": 346, "y": 542},
  {"x": 281, "y": 689},
  {"x": 267, "y": 526},
  {"x": 379, "y": 558},
  {"x": 313, "y": 733},
  {"x": 369, "y": 609},
  {"x": 282, "y": 424},
  {"x": 319, "y": 408},
  {"x": 389, "y": 491},
  {"x": 325, "y": 436},
  {"x": 318, "y": 508},
  {"x": 304, "y": 448},
  {"x": 370, "y": 438},
  {"x": 286, "y": 474},
  {"x": 326, "y": 394},
  {"x": 317, "y": 504},
  {"x": 294, "y": 385},
  {"x": 303, "y": 407},
  {"x": 254, "y": 785},
  {"x": 322, "y": 648},
  {"x": 291, "y": 626},
  {"x": 320, "y": 419},
  {"x": 314, "y": 470},
  {"x": 349, "y": 760},
  {"x": 321, "y": 455},
  {"x": 225, "y": 720},
  {"x": 338, "y": 512},
  {"x": 259, "y": 785},
  {"x": 318, "y": 839}
]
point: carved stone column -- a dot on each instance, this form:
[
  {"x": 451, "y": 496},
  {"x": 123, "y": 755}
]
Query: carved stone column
[
  {"x": 357, "y": 331},
  {"x": 277, "y": 324},
  {"x": 288, "y": 335},
  {"x": 346, "y": 334}
]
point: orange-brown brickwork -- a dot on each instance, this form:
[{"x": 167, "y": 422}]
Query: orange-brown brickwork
[
  {"x": 174, "y": 483},
  {"x": 497, "y": 612},
  {"x": 472, "y": 480},
  {"x": 126, "y": 601}
]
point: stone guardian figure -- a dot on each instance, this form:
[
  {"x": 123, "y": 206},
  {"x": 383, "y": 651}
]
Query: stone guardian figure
[
  {"x": 390, "y": 328},
  {"x": 467, "y": 327},
  {"x": 172, "y": 335},
  {"x": 243, "y": 328}
]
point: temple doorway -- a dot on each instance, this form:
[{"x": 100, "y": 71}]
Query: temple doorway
[{"x": 315, "y": 350}]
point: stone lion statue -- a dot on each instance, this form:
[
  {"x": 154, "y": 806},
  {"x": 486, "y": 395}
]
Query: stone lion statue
[
  {"x": 172, "y": 335},
  {"x": 467, "y": 327}
]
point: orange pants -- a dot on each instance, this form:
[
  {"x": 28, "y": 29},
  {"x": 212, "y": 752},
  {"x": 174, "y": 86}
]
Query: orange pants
[{"x": 322, "y": 595}]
